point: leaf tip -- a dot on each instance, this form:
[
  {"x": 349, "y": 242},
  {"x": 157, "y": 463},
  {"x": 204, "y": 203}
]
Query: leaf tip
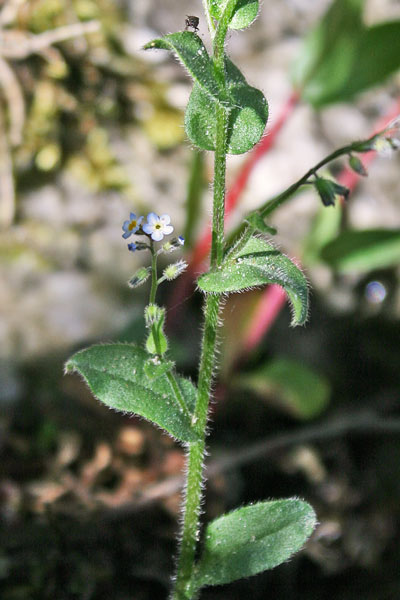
[{"x": 69, "y": 367}]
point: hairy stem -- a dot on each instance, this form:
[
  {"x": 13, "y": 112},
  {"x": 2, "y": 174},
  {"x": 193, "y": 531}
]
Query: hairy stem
[
  {"x": 210, "y": 20},
  {"x": 242, "y": 234},
  {"x": 275, "y": 202},
  {"x": 217, "y": 234},
  {"x": 177, "y": 393},
  {"x": 154, "y": 282},
  {"x": 184, "y": 588}
]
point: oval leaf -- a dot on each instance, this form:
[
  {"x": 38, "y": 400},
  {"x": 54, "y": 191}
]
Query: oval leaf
[
  {"x": 324, "y": 228},
  {"x": 191, "y": 51},
  {"x": 245, "y": 13},
  {"x": 329, "y": 52},
  {"x": 378, "y": 56},
  {"x": 247, "y": 109},
  {"x": 116, "y": 374},
  {"x": 363, "y": 250},
  {"x": 252, "y": 539},
  {"x": 290, "y": 385},
  {"x": 256, "y": 264}
]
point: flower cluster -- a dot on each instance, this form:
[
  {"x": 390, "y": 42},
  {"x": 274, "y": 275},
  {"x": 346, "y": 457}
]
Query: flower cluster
[
  {"x": 386, "y": 141},
  {"x": 155, "y": 227}
]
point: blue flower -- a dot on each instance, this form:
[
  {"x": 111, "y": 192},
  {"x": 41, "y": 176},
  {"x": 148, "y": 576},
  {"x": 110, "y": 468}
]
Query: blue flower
[
  {"x": 132, "y": 247},
  {"x": 157, "y": 226},
  {"x": 131, "y": 225}
]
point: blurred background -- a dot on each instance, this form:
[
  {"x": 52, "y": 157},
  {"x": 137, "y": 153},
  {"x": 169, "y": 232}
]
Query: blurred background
[{"x": 91, "y": 128}]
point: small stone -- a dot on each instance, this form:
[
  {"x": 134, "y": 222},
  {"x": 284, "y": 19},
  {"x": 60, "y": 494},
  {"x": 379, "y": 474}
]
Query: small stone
[{"x": 131, "y": 441}]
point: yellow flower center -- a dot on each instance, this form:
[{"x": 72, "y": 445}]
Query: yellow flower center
[
  {"x": 132, "y": 225},
  {"x": 158, "y": 226}
]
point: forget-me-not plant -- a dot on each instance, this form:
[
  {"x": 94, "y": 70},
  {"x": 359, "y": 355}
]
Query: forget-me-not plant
[{"x": 225, "y": 115}]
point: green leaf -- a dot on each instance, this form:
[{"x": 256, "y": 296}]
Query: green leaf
[
  {"x": 378, "y": 56},
  {"x": 341, "y": 57},
  {"x": 325, "y": 227},
  {"x": 154, "y": 367},
  {"x": 245, "y": 13},
  {"x": 247, "y": 108},
  {"x": 115, "y": 373},
  {"x": 329, "y": 52},
  {"x": 156, "y": 342},
  {"x": 252, "y": 539},
  {"x": 292, "y": 386},
  {"x": 363, "y": 250},
  {"x": 191, "y": 51},
  {"x": 256, "y": 264}
]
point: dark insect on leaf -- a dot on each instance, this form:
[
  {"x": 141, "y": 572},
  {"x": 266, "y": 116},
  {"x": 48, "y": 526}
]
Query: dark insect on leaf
[{"x": 192, "y": 22}]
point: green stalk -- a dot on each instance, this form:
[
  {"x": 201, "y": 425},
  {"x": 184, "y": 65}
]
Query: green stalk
[
  {"x": 275, "y": 202},
  {"x": 170, "y": 376},
  {"x": 177, "y": 393},
  {"x": 154, "y": 282},
  {"x": 184, "y": 586},
  {"x": 210, "y": 21},
  {"x": 186, "y": 561},
  {"x": 243, "y": 234}
]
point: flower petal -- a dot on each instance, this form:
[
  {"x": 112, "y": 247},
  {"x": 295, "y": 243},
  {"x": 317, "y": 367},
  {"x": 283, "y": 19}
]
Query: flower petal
[
  {"x": 147, "y": 228},
  {"x": 132, "y": 216},
  {"x": 157, "y": 235},
  {"x": 152, "y": 218},
  {"x": 165, "y": 219},
  {"x": 167, "y": 229},
  {"x": 127, "y": 234}
]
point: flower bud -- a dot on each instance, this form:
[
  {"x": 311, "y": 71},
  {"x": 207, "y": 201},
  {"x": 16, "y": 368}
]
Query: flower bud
[
  {"x": 341, "y": 190},
  {"x": 156, "y": 342},
  {"x": 173, "y": 244},
  {"x": 325, "y": 191},
  {"x": 142, "y": 246},
  {"x": 328, "y": 190},
  {"x": 357, "y": 166},
  {"x": 139, "y": 277},
  {"x": 173, "y": 271},
  {"x": 153, "y": 314}
]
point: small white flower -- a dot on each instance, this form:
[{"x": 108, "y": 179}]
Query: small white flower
[{"x": 157, "y": 226}]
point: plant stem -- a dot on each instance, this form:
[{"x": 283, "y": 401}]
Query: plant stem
[
  {"x": 184, "y": 587},
  {"x": 217, "y": 235},
  {"x": 210, "y": 21},
  {"x": 276, "y": 201},
  {"x": 154, "y": 282},
  {"x": 242, "y": 234},
  {"x": 177, "y": 393}
]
